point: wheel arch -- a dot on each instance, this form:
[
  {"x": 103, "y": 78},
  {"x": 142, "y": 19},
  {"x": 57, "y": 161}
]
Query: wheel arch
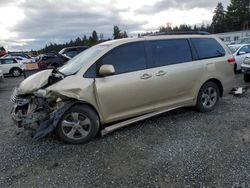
[{"x": 76, "y": 102}]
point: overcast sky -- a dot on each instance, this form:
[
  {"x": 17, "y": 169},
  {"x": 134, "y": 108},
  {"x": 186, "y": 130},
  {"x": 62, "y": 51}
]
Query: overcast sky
[{"x": 30, "y": 24}]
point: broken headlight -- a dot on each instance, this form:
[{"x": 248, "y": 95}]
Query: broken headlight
[{"x": 41, "y": 93}]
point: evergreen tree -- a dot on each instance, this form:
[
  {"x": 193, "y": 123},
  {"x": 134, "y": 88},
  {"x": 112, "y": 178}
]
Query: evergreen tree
[
  {"x": 125, "y": 35},
  {"x": 117, "y": 32},
  {"x": 237, "y": 14},
  {"x": 218, "y": 22},
  {"x": 78, "y": 41},
  {"x": 94, "y": 37}
]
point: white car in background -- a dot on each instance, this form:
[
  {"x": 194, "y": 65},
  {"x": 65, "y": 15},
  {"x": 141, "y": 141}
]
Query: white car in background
[
  {"x": 11, "y": 66},
  {"x": 240, "y": 52},
  {"x": 20, "y": 59}
]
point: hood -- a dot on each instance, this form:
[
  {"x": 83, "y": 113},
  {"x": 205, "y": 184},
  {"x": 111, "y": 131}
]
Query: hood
[{"x": 34, "y": 82}]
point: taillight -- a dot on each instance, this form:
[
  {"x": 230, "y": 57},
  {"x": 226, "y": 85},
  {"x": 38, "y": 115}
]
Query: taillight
[{"x": 231, "y": 60}]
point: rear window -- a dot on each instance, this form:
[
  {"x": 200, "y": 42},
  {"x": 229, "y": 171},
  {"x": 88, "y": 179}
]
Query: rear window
[
  {"x": 208, "y": 48},
  {"x": 169, "y": 52}
]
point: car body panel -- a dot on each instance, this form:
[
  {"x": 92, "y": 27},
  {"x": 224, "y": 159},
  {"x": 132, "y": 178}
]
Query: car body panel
[{"x": 34, "y": 82}]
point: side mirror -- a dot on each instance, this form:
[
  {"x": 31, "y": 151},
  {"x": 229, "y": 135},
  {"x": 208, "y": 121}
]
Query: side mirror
[
  {"x": 106, "y": 70},
  {"x": 242, "y": 52}
]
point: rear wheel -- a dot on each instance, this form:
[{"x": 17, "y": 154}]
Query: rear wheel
[
  {"x": 208, "y": 97},
  {"x": 78, "y": 125},
  {"x": 247, "y": 77},
  {"x": 16, "y": 72}
]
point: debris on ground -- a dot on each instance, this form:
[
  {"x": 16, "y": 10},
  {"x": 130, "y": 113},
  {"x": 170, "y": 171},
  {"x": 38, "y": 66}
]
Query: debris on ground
[{"x": 239, "y": 90}]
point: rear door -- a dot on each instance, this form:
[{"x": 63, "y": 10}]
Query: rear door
[
  {"x": 175, "y": 71},
  {"x": 130, "y": 92}
]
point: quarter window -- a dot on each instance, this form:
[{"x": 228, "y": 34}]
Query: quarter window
[
  {"x": 169, "y": 52},
  {"x": 126, "y": 58},
  {"x": 208, "y": 48}
]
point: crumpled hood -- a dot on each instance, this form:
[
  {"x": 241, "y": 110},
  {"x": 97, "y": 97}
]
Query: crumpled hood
[{"x": 34, "y": 82}]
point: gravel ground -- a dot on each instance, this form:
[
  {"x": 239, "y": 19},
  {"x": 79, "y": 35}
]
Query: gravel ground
[{"x": 182, "y": 148}]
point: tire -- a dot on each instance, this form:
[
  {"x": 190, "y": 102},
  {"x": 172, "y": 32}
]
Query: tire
[
  {"x": 208, "y": 97},
  {"x": 247, "y": 77},
  {"x": 236, "y": 71},
  {"x": 78, "y": 125},
  {"x": 16, "y": 72}
]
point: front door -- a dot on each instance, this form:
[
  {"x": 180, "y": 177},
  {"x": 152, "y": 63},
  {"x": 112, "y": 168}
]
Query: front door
[{"x": 130, "y": 92}]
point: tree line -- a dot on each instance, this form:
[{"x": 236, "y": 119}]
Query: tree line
[
  {"x": 224, "y": 20},
  {"x": 90, "y": 41}
]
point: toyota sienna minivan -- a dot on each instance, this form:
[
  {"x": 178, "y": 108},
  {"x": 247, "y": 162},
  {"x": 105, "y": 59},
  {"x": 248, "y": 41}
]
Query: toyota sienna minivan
[{"x": 118, "y": 82}]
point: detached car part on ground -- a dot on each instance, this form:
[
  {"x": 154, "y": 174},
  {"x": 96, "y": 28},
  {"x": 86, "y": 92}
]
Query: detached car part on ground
[{"x": 119, "y": 82}]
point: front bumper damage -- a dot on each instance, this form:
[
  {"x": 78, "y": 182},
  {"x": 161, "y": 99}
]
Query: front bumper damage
[{"x": 43, "y": 120}]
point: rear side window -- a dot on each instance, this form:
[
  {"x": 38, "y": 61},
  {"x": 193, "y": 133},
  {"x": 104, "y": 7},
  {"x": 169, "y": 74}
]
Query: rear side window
[
  {"x": 126, "y": 58},
  {"x": 8, "y": 61},
  {"x": 208, "y": 48},
  {"x": 169, "y": 52}
]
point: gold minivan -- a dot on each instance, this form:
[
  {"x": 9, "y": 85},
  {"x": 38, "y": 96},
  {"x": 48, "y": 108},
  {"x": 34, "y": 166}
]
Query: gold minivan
[{"x": 118, "y": 82}]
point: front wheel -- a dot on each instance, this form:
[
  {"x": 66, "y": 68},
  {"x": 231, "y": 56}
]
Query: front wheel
[
  {"x": 208, "y": 97},
  {"x": 78, "y": 125},
  {"x": 16, "y": 72},
  {"x": 247, "y": 77}
]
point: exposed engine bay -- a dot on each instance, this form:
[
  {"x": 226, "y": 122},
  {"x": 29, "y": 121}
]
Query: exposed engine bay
[{"x": 37, "y": 112}]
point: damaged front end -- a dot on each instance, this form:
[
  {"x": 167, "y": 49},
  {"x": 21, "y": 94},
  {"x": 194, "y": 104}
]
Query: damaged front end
[{"x": 38, "y": 111}]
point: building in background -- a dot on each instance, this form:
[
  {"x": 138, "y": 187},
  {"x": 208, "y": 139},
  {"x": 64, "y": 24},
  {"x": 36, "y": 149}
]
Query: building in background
[{"x": 235, "y": 36}]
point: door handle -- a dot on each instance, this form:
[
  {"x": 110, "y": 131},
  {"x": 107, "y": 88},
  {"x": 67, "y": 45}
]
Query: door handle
[
  {"x": 161, "y": 73},
  {"x": 146, "y": 76}
]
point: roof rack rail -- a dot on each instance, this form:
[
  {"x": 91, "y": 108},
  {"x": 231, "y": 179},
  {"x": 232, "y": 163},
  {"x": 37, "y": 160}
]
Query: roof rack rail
[{"x": 181, "y": 33}]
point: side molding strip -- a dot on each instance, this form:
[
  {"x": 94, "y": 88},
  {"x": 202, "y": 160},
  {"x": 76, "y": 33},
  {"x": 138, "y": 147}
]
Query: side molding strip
[{"x": 116, "y": 126}]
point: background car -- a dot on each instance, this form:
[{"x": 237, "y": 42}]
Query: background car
[
  {"x": 20, "y": 59},
  {"x": 71, "y": 52},
  {"x": 2, "y": 51},
  {"x": 11, "y": 66},
  {"x": 245, "y": 67},
  {"x": 240, "y": 52},
  {"x": 20, "y": 54},
  {"x": 50, "y": 60}
]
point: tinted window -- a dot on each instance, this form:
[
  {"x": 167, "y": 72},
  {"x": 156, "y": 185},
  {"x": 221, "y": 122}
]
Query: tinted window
[
  {"x": 71, "y": 53},
  {"x": 208, "y": 48},
  {"x": 126, "y": 58},
  {"x": 91, "y": 72},
  {"x": 7, "y": 61},
  {"x": 168, "y": 52}
]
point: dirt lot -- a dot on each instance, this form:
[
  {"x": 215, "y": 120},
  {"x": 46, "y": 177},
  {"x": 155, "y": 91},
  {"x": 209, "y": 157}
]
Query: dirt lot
[{"x": 182, "y": 148}]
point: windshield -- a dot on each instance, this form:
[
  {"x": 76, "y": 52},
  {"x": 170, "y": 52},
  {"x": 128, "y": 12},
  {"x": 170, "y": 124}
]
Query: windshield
[
  {"x": 234, "y": 48},
  {"x": 76, "y": 63}
]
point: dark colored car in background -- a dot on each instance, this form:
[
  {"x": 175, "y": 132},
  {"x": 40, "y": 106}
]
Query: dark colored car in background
[
  {"x": 50, "y": 60},
  {"x": 71, "y": 52},
  {"x": 2, "y": 51}
]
